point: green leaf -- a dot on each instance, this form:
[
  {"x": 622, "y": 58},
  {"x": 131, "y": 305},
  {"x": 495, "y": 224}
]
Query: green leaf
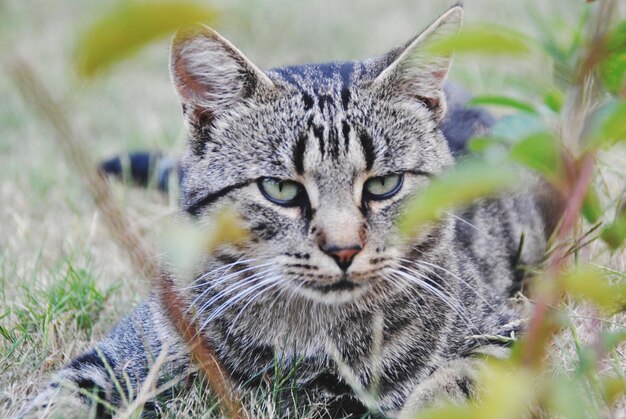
[
  {"x": 614, "y": 234},
  {"x": 609, "y": 124},
  {"x": 613, "y": 66},
  {"x": 131, "y": 26},
  {"x": 612, "y": 72},
  {"x": 504, "y": 101},
  {"x": 591, "y": 284},
  {"x": 484, "y": 39},
  {"x": 565, "y": 400},
  {"x": 479, "y": 144},
  {"x": 539, "y": 151},
  {"x": 509, "y": 391},
  {"x": 554, "y": 100},
  {"x": 611, "y": 339},
  {"x": 466, "y": 182},
  {"x": 517, "y": 126},
  {"x": 186, "y": 244},
  {"x": 592, "y": 210},
  {"x": 505, "y": 391},
  {"x": 613, "y": 389}
]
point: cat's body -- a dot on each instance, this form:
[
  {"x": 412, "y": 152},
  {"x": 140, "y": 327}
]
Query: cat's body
[{"x": 318, "y": 160}]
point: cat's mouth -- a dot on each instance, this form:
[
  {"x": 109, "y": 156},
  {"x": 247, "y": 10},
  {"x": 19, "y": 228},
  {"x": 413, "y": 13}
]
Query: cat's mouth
[{"x": 344, "y": 284}]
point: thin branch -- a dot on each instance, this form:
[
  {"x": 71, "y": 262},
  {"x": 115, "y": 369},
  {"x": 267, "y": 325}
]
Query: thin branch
[{"x": 125, "y": 232}]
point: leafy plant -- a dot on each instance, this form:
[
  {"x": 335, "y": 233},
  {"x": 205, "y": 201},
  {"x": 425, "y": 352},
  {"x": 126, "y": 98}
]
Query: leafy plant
[{"x": 584, "y": 115}]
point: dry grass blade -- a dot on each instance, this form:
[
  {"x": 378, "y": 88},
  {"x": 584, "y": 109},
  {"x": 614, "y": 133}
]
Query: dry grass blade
[
  {"x": 141, "y": 255},
  {"x": 35, "y": 93},
  {"x": 146, "y": 388}
]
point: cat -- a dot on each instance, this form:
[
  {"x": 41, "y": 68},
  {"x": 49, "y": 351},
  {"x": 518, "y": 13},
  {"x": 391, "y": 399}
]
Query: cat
[{"x": 317, "y": 160}]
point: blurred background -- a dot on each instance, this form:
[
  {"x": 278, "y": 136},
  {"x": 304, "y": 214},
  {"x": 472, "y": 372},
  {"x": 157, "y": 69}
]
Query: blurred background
[{"x": 56, "y": 258}]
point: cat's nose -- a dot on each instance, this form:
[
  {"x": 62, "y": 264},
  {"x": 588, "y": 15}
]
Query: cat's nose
[{"x": 343, "y": 256}]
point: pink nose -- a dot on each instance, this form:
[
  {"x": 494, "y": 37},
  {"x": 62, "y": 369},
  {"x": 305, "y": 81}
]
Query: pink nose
[{"x": 343, "y": 256}]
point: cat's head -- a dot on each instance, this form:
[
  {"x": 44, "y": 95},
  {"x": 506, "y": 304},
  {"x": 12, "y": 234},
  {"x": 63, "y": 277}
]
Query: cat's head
[{"x": 317, "y": 159}]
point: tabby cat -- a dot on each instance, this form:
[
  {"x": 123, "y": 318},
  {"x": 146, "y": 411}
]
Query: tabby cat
[{"x": 318, "y": 160}]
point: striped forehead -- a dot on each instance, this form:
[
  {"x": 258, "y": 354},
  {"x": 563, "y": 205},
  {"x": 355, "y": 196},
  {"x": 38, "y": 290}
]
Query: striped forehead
[
  {"x": 327, "y": 91},
  {"x": 315, "y": 78}
]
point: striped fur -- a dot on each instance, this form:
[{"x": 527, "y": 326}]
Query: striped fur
[{"x": 403, "y": 318}]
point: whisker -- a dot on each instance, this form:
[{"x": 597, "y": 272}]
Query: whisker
[
  {"x": 408, "y": 285},
  {"x": 228, "y": 290},
  {"x": 460, "y": 311},
  {"x": 463, "y": 220},
  {"x": 415, "y": 270},
  {"x": 229, "y": 267},
  {"x": 216, "y": 313},
  {"x": 213, "y": 284},
  {"x": 457, "y": 277},
  {"x": 214, "y": 271},
  {"x": 442, "y": 297},
  {"x": 252, "y": 299}
]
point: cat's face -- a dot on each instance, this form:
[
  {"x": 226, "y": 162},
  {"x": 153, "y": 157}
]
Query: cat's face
[{"x": 316, "y": 159}]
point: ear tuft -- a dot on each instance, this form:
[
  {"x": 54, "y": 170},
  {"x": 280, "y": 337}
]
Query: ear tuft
[
  {"x": 416, "y": 73},
  {"x": 209, "y": 72}
]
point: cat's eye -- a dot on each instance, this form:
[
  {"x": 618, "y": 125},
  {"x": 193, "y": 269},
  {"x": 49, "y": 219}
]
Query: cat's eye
[
  {"x": 282, "y": 192},
  {"x": 382, "y": 187}
]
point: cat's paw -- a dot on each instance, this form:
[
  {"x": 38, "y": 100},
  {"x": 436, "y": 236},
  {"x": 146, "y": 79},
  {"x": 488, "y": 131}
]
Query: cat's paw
[
  {"x": 56, "y": 401},
  {"x": 454, "y": 382}
]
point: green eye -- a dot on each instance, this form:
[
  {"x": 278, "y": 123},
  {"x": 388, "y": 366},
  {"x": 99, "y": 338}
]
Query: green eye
[
  {"x": 281, "y": 192},
  {"x": 382, "y": 187}
]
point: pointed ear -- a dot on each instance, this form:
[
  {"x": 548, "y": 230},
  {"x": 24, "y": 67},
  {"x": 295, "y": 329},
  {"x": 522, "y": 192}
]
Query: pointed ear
[
  {"x": 209, "y": 73},
  {"x": 416, "y": 73}
]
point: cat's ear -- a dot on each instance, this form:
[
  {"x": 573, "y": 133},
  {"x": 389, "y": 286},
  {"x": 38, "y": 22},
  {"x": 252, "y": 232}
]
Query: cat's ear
[
  {"x": 210, "y": 73},
  {"x": 415, "y": 72}
]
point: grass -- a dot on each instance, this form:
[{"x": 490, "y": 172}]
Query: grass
[{"x": 64, "y": 283}]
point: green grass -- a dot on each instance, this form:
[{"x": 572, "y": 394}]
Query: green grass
[
  {"x": 73, "y": 300},
  {"x": 63, "y": 281}
]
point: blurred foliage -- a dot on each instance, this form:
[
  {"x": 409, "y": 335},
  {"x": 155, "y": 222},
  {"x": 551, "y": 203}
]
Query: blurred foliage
[
  {"x": 582, "y": 113},
  {"x": 613, "y": 67},
  {"x": 541, "y": 152},
  {"x": 587, "y": 283},
  {"x": 502, "y": 101},
  {"x": 485, "y": 40},
  {"x": 467, "y": 181},
  {"x": 129, "y": 27},
  {"x": 614, "y": 233},
  {"x": 608, "y": 124},
  {"x": 187, "y": 243}
]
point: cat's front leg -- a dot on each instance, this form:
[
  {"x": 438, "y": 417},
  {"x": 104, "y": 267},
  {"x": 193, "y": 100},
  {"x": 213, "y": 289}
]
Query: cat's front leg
[
  {"x": 112, "y": 374},
  {"x": 453, "y": 382}
]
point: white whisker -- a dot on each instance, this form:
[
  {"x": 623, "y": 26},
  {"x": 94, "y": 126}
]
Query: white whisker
[
  {"x": 478, "y": 294},
  {"x": 251, "y": 300},
  {"x": 216, "y": 313},
  {"x": 419, "y": 280},
  {"x": 210, "y": 286},
  {"x": 214, "y": 271},
  {"x": 463, "y": 220},
  {"x": 244, "y": 282},
  {"x": 413, "y": 267}
]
